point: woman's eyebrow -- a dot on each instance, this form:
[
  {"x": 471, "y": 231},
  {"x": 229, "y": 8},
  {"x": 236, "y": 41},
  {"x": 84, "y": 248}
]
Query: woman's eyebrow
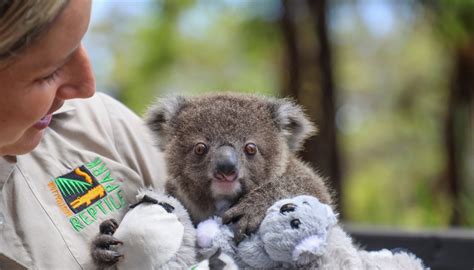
[
  {"x": 67, "y": 58},
  {"x": 49, "y": 65}
]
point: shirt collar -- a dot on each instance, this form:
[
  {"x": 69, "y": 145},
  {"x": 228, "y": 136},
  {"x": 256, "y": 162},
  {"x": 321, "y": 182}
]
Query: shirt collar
[
  {"x": 67, "y": 107},
  {"x": 7, "y": 164}
]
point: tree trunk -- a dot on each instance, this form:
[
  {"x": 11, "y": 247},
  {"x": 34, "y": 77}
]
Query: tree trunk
[
  {"x": 309, "y": 80},
  {"x": 458, "y": 129},
  {"x": 329, "y": 141},
  {"x": 291, "y": 66}
]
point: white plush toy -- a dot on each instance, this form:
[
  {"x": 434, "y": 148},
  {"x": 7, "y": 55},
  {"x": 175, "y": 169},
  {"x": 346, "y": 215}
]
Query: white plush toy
[
  {"x": 156, "y": 233},
  {"x": 298, "y": 233}
]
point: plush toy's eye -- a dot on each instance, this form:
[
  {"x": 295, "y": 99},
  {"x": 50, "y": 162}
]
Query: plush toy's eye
[
  {"x": 167, "y": 207},
  {"x": 200, "y": 149},
  {"x": 289, "y": 207},
  {"x": 250, "y": 149},
  {"x": 295, "y": 223}
]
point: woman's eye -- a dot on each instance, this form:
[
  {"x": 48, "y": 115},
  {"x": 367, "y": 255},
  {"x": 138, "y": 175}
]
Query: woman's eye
[
  {"x": 200, "y": 149},
  {"x": 250, "y": 149},
  {"x": 50, "y": 77}
]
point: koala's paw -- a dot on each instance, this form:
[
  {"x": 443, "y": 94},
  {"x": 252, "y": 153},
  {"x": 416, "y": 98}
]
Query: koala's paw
[
  {"x": 108, "y": 226},
  {"x": 103, "y": 247},
  {"x": 246, "y": 222},
  {"x": 206, "y": 232}
]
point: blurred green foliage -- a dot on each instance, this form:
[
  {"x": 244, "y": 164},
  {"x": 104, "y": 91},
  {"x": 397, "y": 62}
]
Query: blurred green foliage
[
  {"x": 194, "y": 47},
  {"x": 391, "y": 87}
]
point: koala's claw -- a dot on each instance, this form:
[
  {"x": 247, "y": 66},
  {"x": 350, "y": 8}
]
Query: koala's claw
[
  {"x": 245, "y": 223},
  {"x": 109, "y": 226},
  {"x": 232, "y": 215},
  {"x": 103, "y": 247},
  {"x": 105, "y": 241},
  {"x": 103, "y": 257},
  {"x": 103, "y": 253}
]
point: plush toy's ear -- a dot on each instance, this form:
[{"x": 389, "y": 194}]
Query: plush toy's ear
[
  {"x": 331, "y": 216},
  {"x": 309, "y": 249},
  {"x": 206, "y": 231},
  {"x": 292, "y": 122},
  {"x": 160, "y": 117}
]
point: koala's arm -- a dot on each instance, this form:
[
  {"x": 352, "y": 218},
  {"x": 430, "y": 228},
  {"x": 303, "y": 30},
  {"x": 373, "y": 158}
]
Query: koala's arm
[{"x": 251, "y": 208}]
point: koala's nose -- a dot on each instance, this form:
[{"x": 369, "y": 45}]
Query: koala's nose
[{"x": 226, "y": 163}]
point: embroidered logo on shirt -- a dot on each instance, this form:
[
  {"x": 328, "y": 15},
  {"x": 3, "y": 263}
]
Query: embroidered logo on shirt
[
  {"x": 86, "y": 192},
  {"x": 79, "y": 189}
]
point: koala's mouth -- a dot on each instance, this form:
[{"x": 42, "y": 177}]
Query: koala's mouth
[
  {"x": 226, "y": 177},
  {"x": 226, "y": 187}
]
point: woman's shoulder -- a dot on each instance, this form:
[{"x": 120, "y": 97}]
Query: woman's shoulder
[
  {"x": 101, "y": 109},
  {"x": 99, "y": 102}
]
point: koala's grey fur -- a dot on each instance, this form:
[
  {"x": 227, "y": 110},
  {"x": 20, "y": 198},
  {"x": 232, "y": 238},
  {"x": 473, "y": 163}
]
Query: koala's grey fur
[{"x": 277, "y": 126}]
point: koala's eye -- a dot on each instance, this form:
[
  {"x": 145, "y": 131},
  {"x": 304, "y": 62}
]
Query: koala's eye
[
  {"x": 250, "y": 149},
  {"x": 200, "y": 149},
  {"x": 295, "y": 223}
]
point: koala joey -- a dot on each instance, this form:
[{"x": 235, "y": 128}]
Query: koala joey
[{"x": 234, "y": 155}]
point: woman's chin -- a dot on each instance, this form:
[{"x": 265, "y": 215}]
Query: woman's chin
[{"x": 27, "y": 143}]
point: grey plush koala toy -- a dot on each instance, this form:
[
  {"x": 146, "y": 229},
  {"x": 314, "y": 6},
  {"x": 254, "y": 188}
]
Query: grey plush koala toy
[{"x": 298, "y": 233}]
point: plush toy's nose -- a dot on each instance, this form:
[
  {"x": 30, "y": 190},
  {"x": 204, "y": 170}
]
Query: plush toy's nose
[{"x": 289, "y": 207}]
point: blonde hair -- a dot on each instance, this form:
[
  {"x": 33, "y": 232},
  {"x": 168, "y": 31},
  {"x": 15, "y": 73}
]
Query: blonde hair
[{"x": 22, "y": 21}]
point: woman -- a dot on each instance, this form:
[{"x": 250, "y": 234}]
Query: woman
[{"x": 66, "y": 164}]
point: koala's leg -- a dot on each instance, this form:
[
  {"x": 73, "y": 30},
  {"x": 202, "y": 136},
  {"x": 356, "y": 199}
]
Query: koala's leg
[{"x": 102, "y": 250}]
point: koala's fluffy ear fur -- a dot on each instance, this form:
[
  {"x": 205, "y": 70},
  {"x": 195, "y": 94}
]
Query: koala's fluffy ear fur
[
  {"x": 160, "y": 117},
  {"x": 292, "y": 122}
]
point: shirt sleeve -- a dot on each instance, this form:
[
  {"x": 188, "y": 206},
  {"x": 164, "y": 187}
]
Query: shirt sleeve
[{"x": 134, "y": 143}]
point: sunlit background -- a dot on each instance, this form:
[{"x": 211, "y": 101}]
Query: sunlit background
[{"x": 389, "y": 83}]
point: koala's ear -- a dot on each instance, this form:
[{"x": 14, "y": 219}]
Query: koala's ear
[
  {"x": 160, "y": 117},
  {"x": 309, "y": 249},
  {"x": 290, "y": 119}
]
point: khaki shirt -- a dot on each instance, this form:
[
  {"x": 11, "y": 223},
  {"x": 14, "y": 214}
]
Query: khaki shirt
[{"x": 92, "y": 159}]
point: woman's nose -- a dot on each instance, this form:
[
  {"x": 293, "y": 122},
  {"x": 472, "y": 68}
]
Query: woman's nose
[{"x": 81, "y": 80}]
